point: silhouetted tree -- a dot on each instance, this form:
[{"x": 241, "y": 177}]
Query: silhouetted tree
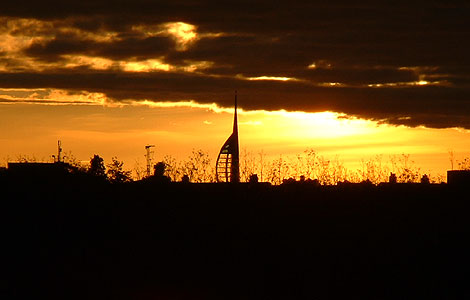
[
  {"x": 73, "y": 162},
  {"x": 159, "y": 172},
  {"x": 451, "y": 159},
  {"x": 159, "y": 169},
  {"x": 464, "y": 164},
  {"x": 425, "y": 179},
  {"x": 392, "y": 178},
  {"x": 185, "y": 179},
  {"x": 373, "y": 170},
  {"x": 23, "y": 158},
  {"x": 97, "y": 167},
  {"x": 247, "y": 165},
  {"x": 116, "y": 174},
  {"x": 139, "y": 170},
  {"x": 278, "y": 171},
  {"x": 405, "y": 168},
  {"x": 172, "y": 168},
  {"x": 199, "y": 167}
]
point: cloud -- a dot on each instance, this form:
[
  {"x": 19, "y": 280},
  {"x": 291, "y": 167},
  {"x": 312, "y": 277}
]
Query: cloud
[{"x": 401, "y": 63}]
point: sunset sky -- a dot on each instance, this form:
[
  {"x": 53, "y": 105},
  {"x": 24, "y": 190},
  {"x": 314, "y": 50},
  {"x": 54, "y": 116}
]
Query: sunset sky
[{"x": 347, "y": 80}]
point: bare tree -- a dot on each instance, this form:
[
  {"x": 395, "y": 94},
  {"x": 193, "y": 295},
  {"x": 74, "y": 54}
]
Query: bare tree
[
  {"x": 70, "y": 159},
  {"x": 464, "y": 164},
  {"x": 139, "y": 170},
  {"x": 373, "y": 170},
  {"x": 451, "y": 159},
  {"x": 261, "y": 165},
  {"x": 405, "y": 168},
  {"x": 311, "y": 163},
  {"x": 279, "y": 170},
  {"x": 199, "y": 167},
  {"x": 24, "y": 158},
  {"x": 173, "y": 168},
  {"x": 247, "y": 166}
]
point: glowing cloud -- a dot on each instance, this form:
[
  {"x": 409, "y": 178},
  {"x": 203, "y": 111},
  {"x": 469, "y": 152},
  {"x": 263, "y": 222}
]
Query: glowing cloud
[
  {"x": 52, "y": 97},
  {"x": 275, "y": 78},
  {"x": 405, "y": 84},
  {"x": 96, "y": 63},
  {"x": 183, "y": 33},
  {"x": 145, "y": 66}
]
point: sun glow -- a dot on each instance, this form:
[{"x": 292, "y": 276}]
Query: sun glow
[
  {"x": 333, "y": 125},
  {"x": 122, "y": 128},
  {"x": 101, "y": 125}
]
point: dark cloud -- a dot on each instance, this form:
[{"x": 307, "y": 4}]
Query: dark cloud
[
  {"x": 413, "y": 106},
  {"x": 132, "y": 47},
  {"x": 62, "y": 44},
  {"x": 2, "y": 100},
  {"x": 375, "y": 42}
]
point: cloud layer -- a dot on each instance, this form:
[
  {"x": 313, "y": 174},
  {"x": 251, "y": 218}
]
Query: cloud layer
[{"x": 400, "y": 63}]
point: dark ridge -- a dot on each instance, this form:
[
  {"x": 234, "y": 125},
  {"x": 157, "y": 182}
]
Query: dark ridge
[{"x": 83, "y": 238}]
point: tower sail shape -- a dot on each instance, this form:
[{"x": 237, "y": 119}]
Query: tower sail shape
[{"x": 228, "y": 165}]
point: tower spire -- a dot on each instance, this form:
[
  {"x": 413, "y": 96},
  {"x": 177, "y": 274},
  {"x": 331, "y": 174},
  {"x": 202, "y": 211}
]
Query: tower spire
[
  {"x": 235, "y": 121},
  {"x": 228, "y": 166}
]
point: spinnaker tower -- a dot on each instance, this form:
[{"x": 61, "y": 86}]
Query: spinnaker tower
[{"x": 228, "y": 166}]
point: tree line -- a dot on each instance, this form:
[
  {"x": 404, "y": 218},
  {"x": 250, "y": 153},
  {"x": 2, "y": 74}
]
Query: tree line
[
  {"x": 309, "y": 165},
  {"x": 306, "y": 166}
]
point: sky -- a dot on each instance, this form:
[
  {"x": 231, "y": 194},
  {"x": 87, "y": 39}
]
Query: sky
[{"x": 345, "y": 79}]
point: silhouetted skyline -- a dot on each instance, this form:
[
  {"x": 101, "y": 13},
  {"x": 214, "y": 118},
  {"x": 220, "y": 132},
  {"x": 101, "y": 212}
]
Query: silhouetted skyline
[{"x": 336, "y": 76}]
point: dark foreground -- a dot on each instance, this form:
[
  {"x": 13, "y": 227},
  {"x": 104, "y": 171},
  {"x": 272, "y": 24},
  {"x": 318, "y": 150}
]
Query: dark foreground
[{"x": 91, "y": 240}]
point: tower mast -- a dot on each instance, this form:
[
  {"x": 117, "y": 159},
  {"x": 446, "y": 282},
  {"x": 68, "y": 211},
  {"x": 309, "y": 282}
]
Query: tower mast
[
  {"x": 59, "y": 150},
  {"x": 149, "y": 158},
  {"x": 235, "y": 171}
]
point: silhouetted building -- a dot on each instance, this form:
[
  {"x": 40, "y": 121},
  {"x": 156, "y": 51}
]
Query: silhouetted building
[
  {"x": 392, "y": 178},
  {"x": 458, "y": 177},
  {"x": 227, "y": 166},
  {"x": 253, "y": 178}
]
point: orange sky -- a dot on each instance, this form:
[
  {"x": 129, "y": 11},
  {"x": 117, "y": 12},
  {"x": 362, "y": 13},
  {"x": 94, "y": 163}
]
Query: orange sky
[{"x": 123, "y": 131}]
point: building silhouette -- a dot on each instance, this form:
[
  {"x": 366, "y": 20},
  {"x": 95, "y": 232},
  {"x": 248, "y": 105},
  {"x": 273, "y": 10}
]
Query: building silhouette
[
  {"x": 228, "y": 166},
  {"x": 458, "y": 177}
]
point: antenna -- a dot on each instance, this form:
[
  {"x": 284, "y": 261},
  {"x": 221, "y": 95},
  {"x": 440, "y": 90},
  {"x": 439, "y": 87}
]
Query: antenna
[
  {"x": 149, "y": 158},
  {"x": 59, "y": 150}
]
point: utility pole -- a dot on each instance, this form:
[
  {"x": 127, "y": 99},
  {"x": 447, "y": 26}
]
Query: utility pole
[
  {"x": 59, "y": 150},
  {"x": 149, "y": 158}
]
